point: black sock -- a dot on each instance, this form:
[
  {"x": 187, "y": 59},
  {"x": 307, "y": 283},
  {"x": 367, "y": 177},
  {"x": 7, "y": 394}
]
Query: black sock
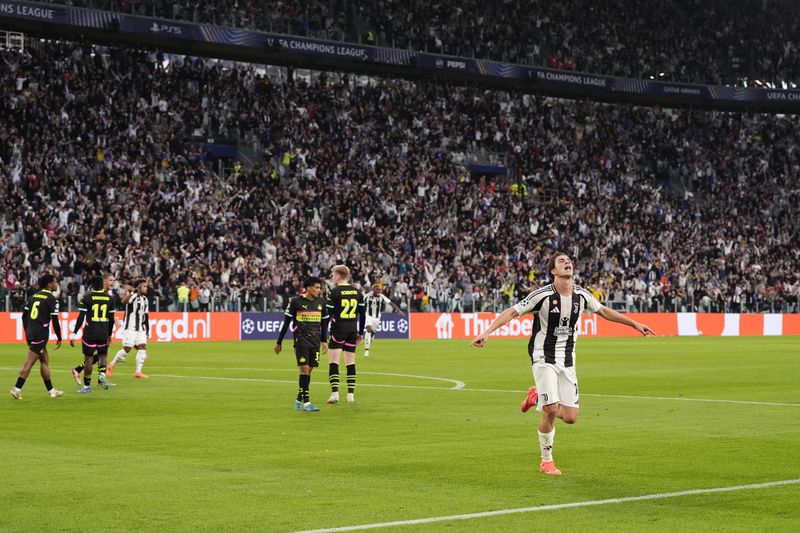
[
  {"x": 100, "y": 370},
  {"x": 305, "y": 381},
  {"x": 79, "y": 369},
  {"x": 333, "y": 376},
  {"x": 20, "y": 382},
  {"x": 48, "y": 385},
  {"x": 351, "y": 378},
  {"x": 87, "y": 380}
]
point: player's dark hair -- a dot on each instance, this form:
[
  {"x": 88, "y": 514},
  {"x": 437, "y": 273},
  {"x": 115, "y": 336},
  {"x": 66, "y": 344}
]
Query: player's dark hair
[
  {"x": 551, "y": 263},
  {"x": 97, "y": 283},
  {"x": 138, "y": 282},
  {"x": 46, "y": 280},
  {"x": 311, "y": 281}
]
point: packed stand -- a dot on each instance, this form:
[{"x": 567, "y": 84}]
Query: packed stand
[
  {"x": 743, "y": 42},
  {"x": 97, "y": 177}
]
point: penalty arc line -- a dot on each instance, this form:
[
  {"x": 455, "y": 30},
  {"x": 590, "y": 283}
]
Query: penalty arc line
[
  {"x": 264, "y": 380},
  {"x": 609, "y": 501}
]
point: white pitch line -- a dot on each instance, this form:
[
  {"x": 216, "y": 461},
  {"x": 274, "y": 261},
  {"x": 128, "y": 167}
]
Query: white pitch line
[
  {"x": 669, "y": 398},
  {"x": 263, "y": 380},
  {"x": 707, "y": 400},
  {"x": 500, "y": 512},
  {"x": 457, "y": 385}
]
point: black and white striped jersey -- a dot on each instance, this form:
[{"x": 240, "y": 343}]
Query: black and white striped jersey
[
  {"x": 375, "y": 303},
  {"x": 555, "y": 322},
  {"x": 136, "y": 313}
]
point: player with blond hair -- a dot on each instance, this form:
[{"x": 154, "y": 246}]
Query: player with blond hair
[{"x": 345, "y": 306}]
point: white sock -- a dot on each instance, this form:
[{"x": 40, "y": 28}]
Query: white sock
[
  {"x": 367, "y": 340},
  {"x": 141, "y": 355},
  {"x": 120, "y": 357},
  {"x": 546, "y": 445}
]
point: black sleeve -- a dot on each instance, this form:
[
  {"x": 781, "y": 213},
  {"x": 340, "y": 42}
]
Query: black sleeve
[
  {"x": 111, "y": 325},
  {"x": 79, "y": 322},
  {"x": 287, "y": 321},
  {"x": 25, "y": 318},
  {"x": 362, "y": 315},
  {"x": 326, "y": 318},
  {"x": 147, "y": 323},
  {"x": 57, "y": 328}
]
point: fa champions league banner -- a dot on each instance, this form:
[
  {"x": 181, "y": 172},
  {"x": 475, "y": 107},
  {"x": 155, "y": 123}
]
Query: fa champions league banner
[
  {"x": 469, "y": 325},
  {"x": 575, "y": 82},
  {"x": 26, "y": 10},
  {"x": 267, "y": 326},
  {"x": 112, "y": 21}
]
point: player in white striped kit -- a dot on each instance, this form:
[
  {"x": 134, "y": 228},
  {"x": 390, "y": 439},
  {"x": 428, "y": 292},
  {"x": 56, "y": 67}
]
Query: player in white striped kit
[
  {"x": 375, "y": 303},
  {"x": 136, "y": 328},
  {"x": 556, "y": 308}
]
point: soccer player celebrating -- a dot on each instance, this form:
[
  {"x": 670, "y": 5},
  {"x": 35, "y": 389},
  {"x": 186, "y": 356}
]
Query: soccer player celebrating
[
  {"x": 137, "y": 327},
  {"x": 41, "y": 309},
  {"x": 97, "y": 309},
  {"x": 310, "y": 319},
  {"x": 375, "y": 303},
  {"x": 556, "y": 309},
  {"x": 346, "y": 308}
]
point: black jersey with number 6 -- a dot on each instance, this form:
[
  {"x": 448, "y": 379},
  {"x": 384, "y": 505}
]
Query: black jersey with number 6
[
  {"x": 346, "y": 309},
  {"x": 99, "y": 309},
  {"x": 40, "y": 309}
]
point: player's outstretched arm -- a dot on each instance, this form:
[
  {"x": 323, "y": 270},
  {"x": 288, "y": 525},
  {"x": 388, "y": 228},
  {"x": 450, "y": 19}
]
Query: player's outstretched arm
[
  {"x": 502, "y": 319},
  {"x": 614, "y": 316}
]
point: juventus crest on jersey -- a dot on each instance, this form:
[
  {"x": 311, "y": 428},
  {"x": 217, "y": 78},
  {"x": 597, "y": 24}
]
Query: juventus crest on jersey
[
  {"x": 136, "y": 313},
  {"x": 555, "y": 322}
]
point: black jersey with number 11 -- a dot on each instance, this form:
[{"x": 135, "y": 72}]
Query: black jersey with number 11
[{"x": 99, "y": 310}]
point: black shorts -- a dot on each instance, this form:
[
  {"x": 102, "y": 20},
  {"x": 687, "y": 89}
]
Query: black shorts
[
  {"x": 92, "y": 348},
  {"x": 307, "y": 356},
  {"x": 343, "y": 341},
  {"x": 37, "y": 346}
]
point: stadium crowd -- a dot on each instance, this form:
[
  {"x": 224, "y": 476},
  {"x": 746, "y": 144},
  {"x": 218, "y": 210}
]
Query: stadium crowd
[
  {"x": 97, "y": 176},
  {"x": 739, "y": 41}
]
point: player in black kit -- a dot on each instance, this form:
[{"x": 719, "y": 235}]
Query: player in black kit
[
  {"x": 97, "y": 309},
  {"x": 348, "y": 316},
  {"x": 42, "y": 309},
  {"x": 310, "y": 326}
]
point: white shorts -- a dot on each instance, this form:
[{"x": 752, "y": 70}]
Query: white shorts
[
  {"x": 373, "y": 323},
  {"x": 133, "y": 338},
  {"x": 555, "y": 384}
]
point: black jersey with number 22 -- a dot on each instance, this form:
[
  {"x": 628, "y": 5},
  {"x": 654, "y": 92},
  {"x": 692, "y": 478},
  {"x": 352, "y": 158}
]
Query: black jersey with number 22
[{"x": 345, "y": 305}]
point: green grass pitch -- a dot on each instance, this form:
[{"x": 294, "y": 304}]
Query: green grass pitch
[{"x": 211, "y": 441}]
